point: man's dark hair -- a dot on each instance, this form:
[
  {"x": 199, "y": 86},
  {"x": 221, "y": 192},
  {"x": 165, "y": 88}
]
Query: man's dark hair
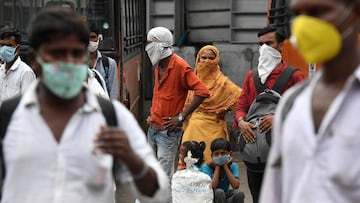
[
  {"x": 94, "y": 28},
  {"x": 55, "y": 22},
  {"x": 6, "y": 32},
  {"x": 280, "y": 37},
  {"x": 348, "y": 2},
  {"x": 220, "y": 143},
  {"x": 197, "y": 150}
]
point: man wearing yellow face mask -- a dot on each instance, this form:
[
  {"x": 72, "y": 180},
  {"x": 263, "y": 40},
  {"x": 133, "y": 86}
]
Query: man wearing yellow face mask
[{"x": 316, "y": 129}]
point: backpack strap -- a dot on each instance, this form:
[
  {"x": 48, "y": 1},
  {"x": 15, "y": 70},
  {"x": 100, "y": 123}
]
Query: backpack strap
[
  {"x": 109, "y": 113},
  {"x": 105, "y": 63},
  {"x": 6, "y": 111},
  {"x": 283, "y": 79},
  {"x": 97, "y": 77},
  {"x": 259, "y": 86}
]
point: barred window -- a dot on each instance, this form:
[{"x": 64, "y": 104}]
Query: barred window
[{"x": 133, "y": 27}]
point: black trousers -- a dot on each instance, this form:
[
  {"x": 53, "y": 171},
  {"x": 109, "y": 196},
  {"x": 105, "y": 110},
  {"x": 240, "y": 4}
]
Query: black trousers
[{"x": 254, "y": 181}]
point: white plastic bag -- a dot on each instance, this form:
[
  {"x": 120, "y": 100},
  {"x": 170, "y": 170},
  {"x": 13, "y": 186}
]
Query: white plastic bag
[{"x": 190, "y": 185}]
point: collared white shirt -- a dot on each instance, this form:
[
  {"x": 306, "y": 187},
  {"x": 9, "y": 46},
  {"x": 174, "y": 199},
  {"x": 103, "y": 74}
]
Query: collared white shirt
[
  {"x": 41, "y": 170},
  {"x": 316, "y": 167},
  {"x": 16, "y": 80},
  {"x": 97, "y": 87},
  {"x": 113, "y": 74}
]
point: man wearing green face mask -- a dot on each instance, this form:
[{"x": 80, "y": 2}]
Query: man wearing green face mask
[
  {"x": 58, "y": 146},
  {"x": 15, "y": 75},
  {"x": 316, "y": 127}
]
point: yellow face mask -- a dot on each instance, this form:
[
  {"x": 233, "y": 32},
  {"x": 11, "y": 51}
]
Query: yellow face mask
[{"x": 317, "y": 41}]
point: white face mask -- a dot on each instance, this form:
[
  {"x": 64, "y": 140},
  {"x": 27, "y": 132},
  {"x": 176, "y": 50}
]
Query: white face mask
[
  {"x": 269, "y": 59},
  {"x": 157, "y": 51},
  {"x": 93, "y": 46},
  {"x": 154, "y": 52}
]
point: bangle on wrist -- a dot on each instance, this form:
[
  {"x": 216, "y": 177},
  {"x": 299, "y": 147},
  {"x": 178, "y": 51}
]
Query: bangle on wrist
[{"x": 142, "y": 173}]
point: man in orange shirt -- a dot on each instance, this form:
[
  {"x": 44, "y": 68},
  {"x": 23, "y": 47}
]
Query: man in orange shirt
[{"x": 173, "y": 78}]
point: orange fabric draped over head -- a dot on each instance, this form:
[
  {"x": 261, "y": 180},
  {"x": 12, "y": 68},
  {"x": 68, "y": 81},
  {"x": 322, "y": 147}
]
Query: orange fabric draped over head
[{"x": 223, "y": 92}]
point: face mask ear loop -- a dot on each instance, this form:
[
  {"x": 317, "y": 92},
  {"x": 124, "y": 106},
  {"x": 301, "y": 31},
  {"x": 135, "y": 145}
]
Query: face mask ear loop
[
  {"x": 349, "y": 30},
  {"x": 343, "y": 16},
  {"x": 39, "y": 60},
  {"x": 17, "y": 46}
]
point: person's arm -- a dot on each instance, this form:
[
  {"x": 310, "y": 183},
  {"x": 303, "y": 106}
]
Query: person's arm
[
  {"x": 266, "y": 123},
  {"x": 197, "y": 100},
  {"x": 113, "y": 80},
  {"x": 190, "y": 82},
  {"x": 232, "y": 172},
  {"x": 215, "y": 179},
  {"x": 297, "y": 77},
  {"x": 27, "y": 78},
  {"x": 201, "y": 92},
  {"x": 242, "y": 108},
  {"x": 213, "y": 171},
  {"x": 175, "y": 122},
  {"x": 137, "y": 161}
]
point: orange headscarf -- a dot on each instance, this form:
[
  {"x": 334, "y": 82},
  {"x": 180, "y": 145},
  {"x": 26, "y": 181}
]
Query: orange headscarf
[{"x": 223, "y": 92}]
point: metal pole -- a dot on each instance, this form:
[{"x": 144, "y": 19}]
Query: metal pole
[
  {"x": 1, "y": 12},
  {"x": 13, "y": 14},
  {"x": 312, "y": 69}
]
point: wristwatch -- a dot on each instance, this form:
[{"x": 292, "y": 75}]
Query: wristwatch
[{"x": 180, "y": 117}]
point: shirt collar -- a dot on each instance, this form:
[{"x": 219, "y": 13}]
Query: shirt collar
[
  {"x": 14, "y": 66},
  {"x": 98, "y": 55},
  {"x": 355, "y": 77},
  {"x": 357, "y": 73},
  {"x": 30, "y": 98},
  {"x": 171, "y": 62},
  {"x": 279, "y": 68}
]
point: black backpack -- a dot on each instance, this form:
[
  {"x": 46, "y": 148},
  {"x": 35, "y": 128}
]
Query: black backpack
[
  {"x": 8, "y": 107},
  {"x": 255, "y": 154},
  {"x": 105, "y": 63}
]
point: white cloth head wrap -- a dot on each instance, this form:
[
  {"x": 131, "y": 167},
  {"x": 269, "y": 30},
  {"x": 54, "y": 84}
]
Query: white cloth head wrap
[{"x": 161, "y": 44}]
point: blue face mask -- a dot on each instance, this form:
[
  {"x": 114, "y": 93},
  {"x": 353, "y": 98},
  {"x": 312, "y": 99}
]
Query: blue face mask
[
  {"x": 7, "y": 53},
  {"x": 221, "y": 160},
  {"x": 64, "y": 79}
]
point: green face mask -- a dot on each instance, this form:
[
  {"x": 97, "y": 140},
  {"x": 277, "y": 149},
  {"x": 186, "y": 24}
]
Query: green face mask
[{"x": 64, "y": 79}]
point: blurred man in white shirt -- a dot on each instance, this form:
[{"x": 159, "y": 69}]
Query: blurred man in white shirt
[
  {"x": 15, "y": 75},
  {"x": 57, "y": 146}
]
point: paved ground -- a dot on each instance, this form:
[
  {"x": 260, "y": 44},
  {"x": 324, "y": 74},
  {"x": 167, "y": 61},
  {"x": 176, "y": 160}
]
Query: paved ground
[
  {"x": 124, "y": 197},
  {"x": 243, "y": 183}
]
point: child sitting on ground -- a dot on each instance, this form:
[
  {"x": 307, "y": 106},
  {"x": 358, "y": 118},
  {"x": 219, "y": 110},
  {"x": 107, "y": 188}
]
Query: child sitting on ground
[
  {"x": 197, "y": 151},
  {"x": 223, "y": 173}
]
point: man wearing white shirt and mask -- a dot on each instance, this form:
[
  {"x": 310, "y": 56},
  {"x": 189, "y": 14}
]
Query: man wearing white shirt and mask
[
  {"x": 270, "y": 66},
  {"x": 59, "y": 145},
  {"x": 15, "y": 75},
  {"x": 105, "y": 65}
]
